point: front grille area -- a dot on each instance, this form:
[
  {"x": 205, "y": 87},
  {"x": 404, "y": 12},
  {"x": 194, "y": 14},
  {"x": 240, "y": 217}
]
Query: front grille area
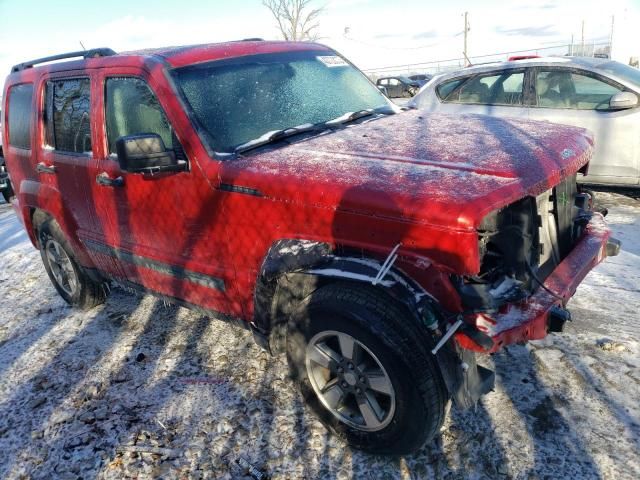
[{"x": 521, "y": 244}]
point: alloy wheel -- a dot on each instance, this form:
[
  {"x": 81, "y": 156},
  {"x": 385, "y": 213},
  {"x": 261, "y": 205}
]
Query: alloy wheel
[
  {"x": 61, "y": 267},
  {"x": 350, "y": 380}
]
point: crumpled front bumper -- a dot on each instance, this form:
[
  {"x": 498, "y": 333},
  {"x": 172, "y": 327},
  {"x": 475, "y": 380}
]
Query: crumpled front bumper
[{"x": 531, "y": 319}]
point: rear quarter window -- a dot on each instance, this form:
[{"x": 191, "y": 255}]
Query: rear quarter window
[
  {"x": 445, "y": 89},
  {"x": 19, "y": 118}
]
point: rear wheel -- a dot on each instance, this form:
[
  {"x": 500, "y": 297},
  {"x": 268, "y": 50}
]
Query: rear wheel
[
  {"x": 68, "y": 277},
  {"x": 7, "y": 193},
  {"x": 363, "y": 367}
]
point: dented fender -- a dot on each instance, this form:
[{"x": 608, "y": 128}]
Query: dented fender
[{"x": 294, "y": 268}]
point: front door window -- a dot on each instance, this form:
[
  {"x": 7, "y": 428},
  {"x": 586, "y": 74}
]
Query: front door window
[{"x": 566, "y": 89}]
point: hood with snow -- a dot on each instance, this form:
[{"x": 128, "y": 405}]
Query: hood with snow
[{"x": 448, "y": 171}]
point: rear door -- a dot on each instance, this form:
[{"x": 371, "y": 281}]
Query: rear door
[
  {"x": 581, "y": 98},
  {"x": 499, "y": 93},
  {"x": 66, "y": 157}
]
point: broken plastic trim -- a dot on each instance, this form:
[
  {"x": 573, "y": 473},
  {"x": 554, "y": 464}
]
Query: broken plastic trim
[{"x": 386, "y": 266}]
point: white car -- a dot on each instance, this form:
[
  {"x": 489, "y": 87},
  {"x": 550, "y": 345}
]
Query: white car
[{"x": 598, "y": 94}]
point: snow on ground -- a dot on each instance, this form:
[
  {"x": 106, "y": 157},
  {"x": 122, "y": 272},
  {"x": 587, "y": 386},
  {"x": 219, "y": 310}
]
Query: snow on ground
[{"x": 134, "y": 389}]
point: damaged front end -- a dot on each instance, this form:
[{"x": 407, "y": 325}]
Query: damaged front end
[
  {"x": 534, "y": 253},
  {"x": 521, "y": 244}
]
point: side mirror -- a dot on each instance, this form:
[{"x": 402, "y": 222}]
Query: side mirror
[
  {"x": 623, "y": 100},
  {"x": 145, "y": 153}
]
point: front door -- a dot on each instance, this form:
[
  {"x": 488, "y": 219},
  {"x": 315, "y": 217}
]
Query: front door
[
  {"x": 580, "y": 98},
  {"x": 163, "y": 227}
]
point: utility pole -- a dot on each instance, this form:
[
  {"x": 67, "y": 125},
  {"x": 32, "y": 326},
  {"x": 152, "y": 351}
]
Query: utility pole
[
  {"x": 582, "y": 42},
  {"x": 571, "y": 47},
  {"x": 466, "y": 30},
  {"x": 611, "y": 39}
]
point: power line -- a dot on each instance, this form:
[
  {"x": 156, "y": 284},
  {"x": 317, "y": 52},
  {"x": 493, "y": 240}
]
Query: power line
[
  {"x": 383, "y": 47},
  {"x": 431, "y": 62}
]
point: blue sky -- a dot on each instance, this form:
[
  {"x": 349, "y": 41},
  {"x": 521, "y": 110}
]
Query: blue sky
[{"x": 378, "y": 32}]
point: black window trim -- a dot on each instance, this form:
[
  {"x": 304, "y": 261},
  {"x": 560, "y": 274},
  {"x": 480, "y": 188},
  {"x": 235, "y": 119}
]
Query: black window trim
[
  {"x": 467, "y": 78},
  {"x": 578, "y": 71},
  {"x": 51, "y": 148},
  {"x": 6, "y": 119}
]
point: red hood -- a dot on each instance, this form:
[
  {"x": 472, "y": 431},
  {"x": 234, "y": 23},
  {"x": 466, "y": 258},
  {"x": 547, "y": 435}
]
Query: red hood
[{"x": 448, "y": 171}]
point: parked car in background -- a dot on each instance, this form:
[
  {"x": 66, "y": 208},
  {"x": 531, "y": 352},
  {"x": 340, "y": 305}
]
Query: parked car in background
[
  {"x": 421, "y": 78},
  {"x": 598, "y": 94},
  {"x": 399, "y": 86},
  {"x": 5, "y": 183}
]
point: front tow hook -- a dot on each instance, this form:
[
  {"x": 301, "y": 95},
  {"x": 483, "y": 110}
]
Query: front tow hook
[{"x": 613, "y": 247}]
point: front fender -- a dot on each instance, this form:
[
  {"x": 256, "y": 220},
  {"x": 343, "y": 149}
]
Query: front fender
[{"x": 294, "y": 268}]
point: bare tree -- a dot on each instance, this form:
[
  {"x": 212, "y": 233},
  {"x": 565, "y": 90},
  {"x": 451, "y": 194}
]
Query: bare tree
[{"x": 296, "y": 19}]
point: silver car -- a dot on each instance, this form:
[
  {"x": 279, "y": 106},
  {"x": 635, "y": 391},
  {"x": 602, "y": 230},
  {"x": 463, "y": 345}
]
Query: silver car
[{"x": 598, "y": 94}]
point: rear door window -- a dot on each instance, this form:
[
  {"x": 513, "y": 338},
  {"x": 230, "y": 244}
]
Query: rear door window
[
  {"x": 19, "y": 121},
  {"x": 68, "y": 115},
  {"x": 570, "y": 90},
  {"x": 504, "y": 88},
  {"x": 132, "y": 108}
]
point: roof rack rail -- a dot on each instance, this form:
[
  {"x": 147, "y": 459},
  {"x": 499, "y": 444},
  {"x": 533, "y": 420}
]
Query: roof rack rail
[
  {"x": 252, "y": 39},
  {"x": 93, "y": 53}
]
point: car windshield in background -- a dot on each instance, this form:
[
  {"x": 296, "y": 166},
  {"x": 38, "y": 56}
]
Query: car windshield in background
[
  {"x": 239, "y": 100},
  {"x": 625, "y": 72}
]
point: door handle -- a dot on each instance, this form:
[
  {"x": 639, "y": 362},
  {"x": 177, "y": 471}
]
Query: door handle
[
  {"x": 105, "y": 180},
  {"x": 44, "y": 168}
]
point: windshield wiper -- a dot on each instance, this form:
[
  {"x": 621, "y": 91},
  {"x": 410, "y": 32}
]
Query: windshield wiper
[
  {"x": 277, "y": 135},
  {"x": 351, "y": 116}
]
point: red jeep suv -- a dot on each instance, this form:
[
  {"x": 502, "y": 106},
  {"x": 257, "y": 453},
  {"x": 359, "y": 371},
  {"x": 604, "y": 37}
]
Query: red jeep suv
[{"x": 272, "y": 184}]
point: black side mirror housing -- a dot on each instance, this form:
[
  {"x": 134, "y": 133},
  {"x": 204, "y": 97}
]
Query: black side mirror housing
[{"x": 146, "y": 153}]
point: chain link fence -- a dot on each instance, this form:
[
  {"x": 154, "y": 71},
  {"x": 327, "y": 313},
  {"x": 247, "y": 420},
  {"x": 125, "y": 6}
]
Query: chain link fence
[{"x": 591, "y": 49}]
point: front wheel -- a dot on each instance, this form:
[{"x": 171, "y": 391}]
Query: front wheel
[
  {"x": 68, "y": 277},
  {"x": 364, "y": 368}
]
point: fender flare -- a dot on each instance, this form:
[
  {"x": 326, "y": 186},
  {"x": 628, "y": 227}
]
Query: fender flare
[
  {"x": 35, "y": 196},
  {"x": 294, "y": 268}
]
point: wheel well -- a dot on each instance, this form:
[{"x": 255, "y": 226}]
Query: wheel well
[
  {"x": 37, "y": 216},
  {"x": 294, "y": 269}
]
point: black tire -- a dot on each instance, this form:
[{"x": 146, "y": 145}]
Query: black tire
[
  {"x": 86, "y": 292},
  {"x": 8, "y": 193},
  {"x": 387, "y": 330}
]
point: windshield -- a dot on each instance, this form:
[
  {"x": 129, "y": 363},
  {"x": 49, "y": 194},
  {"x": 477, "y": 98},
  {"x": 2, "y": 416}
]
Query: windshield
[
  {"x": 625, "y": 72},
  {"x": 238, "y": 100}
]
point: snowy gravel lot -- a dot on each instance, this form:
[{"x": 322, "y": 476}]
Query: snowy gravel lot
[{"x": 135, "y": 389}]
